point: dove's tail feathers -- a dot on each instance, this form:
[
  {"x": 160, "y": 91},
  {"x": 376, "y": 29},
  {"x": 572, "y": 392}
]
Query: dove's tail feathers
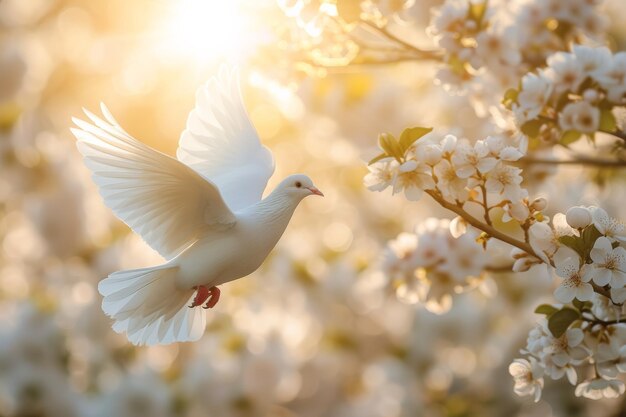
[{"x": 147, "y": 305}]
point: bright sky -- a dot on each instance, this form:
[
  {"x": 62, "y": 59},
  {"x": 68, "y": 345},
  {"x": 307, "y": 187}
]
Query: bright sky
[{"x": 205, "y": 30}]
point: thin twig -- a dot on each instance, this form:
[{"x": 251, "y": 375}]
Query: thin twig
[
  {"x": 485, "y": 205},
  {"x": 499, "y": 269},
  {"x": 618, "y": 134},
  {"x": 596, "y": 162},
  {"x": 596, "y": 320},
  {"x": 492, "y": 232},
  {"x": 422, "y": 54}
]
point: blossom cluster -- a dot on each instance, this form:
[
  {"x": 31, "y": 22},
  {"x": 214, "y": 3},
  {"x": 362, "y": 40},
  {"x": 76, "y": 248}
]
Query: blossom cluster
[
  {"x": 575, "y": 95},
  {"x": 591, "y": 346},
  {"x": 463, "y": 30},
  {"x": 507, "y": 40},
  {"x": 454, "y": 168},
  {"x": 585, "y": 246},
  {"x": 322, "y": 30},
  {"x": 430, "y": 265}
]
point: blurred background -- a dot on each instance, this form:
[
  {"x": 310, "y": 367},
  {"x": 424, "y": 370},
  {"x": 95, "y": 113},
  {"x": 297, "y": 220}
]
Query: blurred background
[{"x": 317, "y": 331}]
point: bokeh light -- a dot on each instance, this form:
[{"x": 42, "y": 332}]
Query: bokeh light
[{"x": 319, "y": 329}]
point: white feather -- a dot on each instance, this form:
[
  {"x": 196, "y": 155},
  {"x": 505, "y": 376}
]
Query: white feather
[
  {"x": 221, "y": 144},
  {"x": 209, "y": 235},
  {"x": 168, "y": 204}
]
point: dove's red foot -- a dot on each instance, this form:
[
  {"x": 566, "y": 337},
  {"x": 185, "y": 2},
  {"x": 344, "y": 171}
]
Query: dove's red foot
[
  {"x": 215, "y": 297},
  {"x": 201, "y": 296},
  {"x": 209, "y": 295}
]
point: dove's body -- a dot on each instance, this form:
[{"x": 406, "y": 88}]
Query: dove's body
[
  {"x": 202, "y": 212},
  {"x": 227, "y": 255}
]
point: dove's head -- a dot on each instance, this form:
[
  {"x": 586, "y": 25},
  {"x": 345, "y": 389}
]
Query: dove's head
[{"x": 298, "y": 186}]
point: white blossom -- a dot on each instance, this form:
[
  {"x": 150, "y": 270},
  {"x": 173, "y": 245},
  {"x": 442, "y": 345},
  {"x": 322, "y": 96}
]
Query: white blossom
[
  {"x": 575, "y": 283},
  {"x": 598, "y": 388},
  {"x": 497, "y": 46},
  {"x": 608, "y": 226},
  {"x": 614, "y": 79},
  {"x": 381, "y": 175},
  {"x": 535, "y": 92},
  {"x": 471, "y": 159},
  {"x": 609, "y": 264},
  {"x": 506, "y": 180},
  {"x": 567, "y": 348},
  {"x": 610, "y": 358},
  {"x": 399, "y": 255},
  {"x": 450, "y": 184},
  {"x": 595, "y": 61},
  {"x": 465, "y": 258},
  {"x": 545, "y": 239},
  {"x": 412, "y": 177},
  {"x": 565, "y": 71},
  {"x": 580, "y": 116},
  {"x": 528, "y": 377},
  {"x": 497, "y": 147}
]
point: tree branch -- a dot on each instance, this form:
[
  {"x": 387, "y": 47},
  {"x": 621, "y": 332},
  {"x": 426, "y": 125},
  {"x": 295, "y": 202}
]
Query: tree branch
[
  {"x": 581, "y": 160},
  {"x": 491, "y": 231},
  {"x": 421, "y": 54},
  {"x": 618, "y": 134},
  {"x": 499, "y": 269}
]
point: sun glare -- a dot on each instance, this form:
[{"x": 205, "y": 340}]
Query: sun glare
[{"x": 205, "y": 30}]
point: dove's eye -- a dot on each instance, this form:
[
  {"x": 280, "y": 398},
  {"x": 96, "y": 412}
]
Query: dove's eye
[{"x": 298, "y": 184}]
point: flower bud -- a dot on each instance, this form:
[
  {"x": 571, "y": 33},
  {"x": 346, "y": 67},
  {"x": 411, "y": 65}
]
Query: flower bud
[
  {"x": 590, "y": 95},
  {"x": 518, "y": 211},
  {"x": 465, "y": 54},
  {"x": 458, "y": 226},
  {"x": 522, "y": 265},
  {"x": 431, "y": 154},
  {"x": 408, "y": 166},
  {"x": 578, "y": 217},
  {"x": 470, "y": 25},
  {"x": 518, "y": 253},
  {"x": 539, "y": 204}
]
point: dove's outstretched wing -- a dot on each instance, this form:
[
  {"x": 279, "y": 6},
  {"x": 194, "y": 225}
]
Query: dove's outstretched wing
[
  {"x": 163, "y": 200},
  {"x": 221, "y": 144}
]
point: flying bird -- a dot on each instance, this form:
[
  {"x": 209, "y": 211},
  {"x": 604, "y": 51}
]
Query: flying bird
[{"x": 202, "y": 211}]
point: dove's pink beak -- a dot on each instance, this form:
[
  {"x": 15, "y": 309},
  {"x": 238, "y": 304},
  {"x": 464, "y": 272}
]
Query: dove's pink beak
[{"x": 315, "y": 191}]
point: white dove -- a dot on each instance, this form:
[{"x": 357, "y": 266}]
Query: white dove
[{"x": 202, "y": 212}]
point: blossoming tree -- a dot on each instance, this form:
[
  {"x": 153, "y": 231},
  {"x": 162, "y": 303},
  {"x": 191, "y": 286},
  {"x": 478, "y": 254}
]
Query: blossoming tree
[{"x": 549, "y": 92}]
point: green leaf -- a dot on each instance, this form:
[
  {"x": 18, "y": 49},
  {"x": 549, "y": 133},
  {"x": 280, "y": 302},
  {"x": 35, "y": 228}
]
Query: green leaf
[
  {"x": 378, "y": 158},
  {"x": 590, "y": 235},
  {"x": 563, "y": 29},
  {"x": 607, "y": 121},
  {"x": 10, "y": 113},
  {"x": 562, "y": 101},
  {"x": 390, "y": 145},
  {"x": 588, "y": 239},
  {"x": 546, "y": 309},
  {"x": 510, "y": 97},
  {"x": 570, "y": 136},
  {"x": 581, "y": 305},
  {"x": 457, "y": 65},
  {"x": 586, "y": 84},
  {"x": 531, "y": 128},
  {"x": 559, "y": 322},
  {"x": 477, "y": 11},
  {"x": 349, "y": 10},
  {"x": 575, "y": 243},
  {"x": 412, "y": 134}
]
